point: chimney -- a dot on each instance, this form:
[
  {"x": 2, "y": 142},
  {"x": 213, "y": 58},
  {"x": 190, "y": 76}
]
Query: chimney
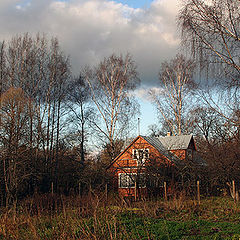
[{"x": 168, "y": 134}]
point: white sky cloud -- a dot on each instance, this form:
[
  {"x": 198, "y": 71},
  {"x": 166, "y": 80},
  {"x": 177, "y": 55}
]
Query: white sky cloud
[
  {"x": 90, "y": 30},
  {"x": 143, "y": 93}
]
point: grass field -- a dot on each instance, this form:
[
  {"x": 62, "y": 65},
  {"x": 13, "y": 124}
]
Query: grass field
[{"x": 58, "y": 217}]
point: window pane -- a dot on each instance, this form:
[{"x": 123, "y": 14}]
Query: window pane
[
  {"x": 131, "y": 181},
  {"x": 123, "y": 180},
  {"x": 127, "y": 180},
  {"x": 134, "y": 154},
  {"x": 142, "y": 180},
  {"x": 140, "y": 153},
  {"x": 146, "y": 153}
]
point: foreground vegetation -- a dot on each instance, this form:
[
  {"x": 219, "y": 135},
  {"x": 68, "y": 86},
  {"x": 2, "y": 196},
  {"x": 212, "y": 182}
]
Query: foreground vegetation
[{"x": 91, "y": 217}]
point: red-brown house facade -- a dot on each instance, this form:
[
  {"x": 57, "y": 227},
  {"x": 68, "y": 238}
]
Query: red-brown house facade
[{"x": 130, "y": 165}]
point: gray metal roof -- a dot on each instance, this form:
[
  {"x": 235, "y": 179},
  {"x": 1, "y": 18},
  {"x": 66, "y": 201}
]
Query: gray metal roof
[
  {"x": 161, "y": 148},
  {"x": 175, "y": 142}
]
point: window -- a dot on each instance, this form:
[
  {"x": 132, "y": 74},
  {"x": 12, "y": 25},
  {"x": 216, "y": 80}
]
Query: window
[
  {"x": 141, "y": 180},
  {"x": 135, "y": 155},
  {"x": 140, "y": 155},
  {"x": 127, "y": 180}
]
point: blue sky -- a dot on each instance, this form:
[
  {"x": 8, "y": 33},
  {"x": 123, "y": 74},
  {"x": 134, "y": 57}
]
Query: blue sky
[
  {"x": 130, "y": 3},
  {"x": 136, "y": 3},
  {"x": 148, "y": 116}
]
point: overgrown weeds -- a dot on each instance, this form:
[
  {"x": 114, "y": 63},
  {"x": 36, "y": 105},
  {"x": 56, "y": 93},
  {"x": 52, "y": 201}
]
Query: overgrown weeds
[{"x": 92, "y": 217}]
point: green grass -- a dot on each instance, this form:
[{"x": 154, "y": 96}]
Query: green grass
[
  {"x": 164, "y": 229},
  {"x": 75, "y": 218}
]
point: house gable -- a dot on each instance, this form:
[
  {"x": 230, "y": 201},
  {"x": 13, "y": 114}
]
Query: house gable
[
  {"x": 170, "y": 148},
  {"x": 155, "y": 149}
]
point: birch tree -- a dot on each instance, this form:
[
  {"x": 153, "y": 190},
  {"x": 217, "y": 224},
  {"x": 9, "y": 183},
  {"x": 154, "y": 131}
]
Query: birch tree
[
  {"x": 211, "y": 30},
  {"x": 14, "y": 132},
  {"x": 39, "y": 70},
  {"x": 173, "y": 97},
  {"x": 110, "y": 85}
]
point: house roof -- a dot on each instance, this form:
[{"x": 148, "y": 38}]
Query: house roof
[
  {"x": 176, "y": 142},
  {"x": 161, "y": 148},
  {"x": 163, "y": 145}
]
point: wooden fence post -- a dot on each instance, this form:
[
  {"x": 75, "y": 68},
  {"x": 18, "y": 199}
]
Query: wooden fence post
[
  {"x": 90, "y": 190},
  {"x": 52, "y": 188},
  {"x": 106, "y": 192},
  {"x": 165, "y": 191},
  {"x": 236, "y": 194},
  {"x": 198, "y": 192},
  {"x": 135, "y": 191},
  {"x": 79, "y": 189},
  {"x": 234, "y": 190}
]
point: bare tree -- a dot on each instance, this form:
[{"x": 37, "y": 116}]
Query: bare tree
[
  {"x": 14, "y": 132},
  {"x": 2, "y": 65},
  {"x": 204, "y": 122},
  {"x": 60, "y": 73},
  {"x": 81, "y": 113},
  {"x": 40, "y": 69},
  {"x": 176, "y": 86},
  {"x": 153, "y": 130},
  {"x": 211, "y": 30},
  {"x": 110, "y": 85}
]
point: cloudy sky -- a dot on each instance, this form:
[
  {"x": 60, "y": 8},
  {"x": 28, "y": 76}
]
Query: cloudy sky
[{"x": 89, "y": 30}]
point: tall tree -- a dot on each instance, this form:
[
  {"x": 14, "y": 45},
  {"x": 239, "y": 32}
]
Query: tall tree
[
  {"x": 211, "y": 30},
  {"x": 14, "y": 132},
  {"x": 2, "y": 65},
  {"x": 173, "y": 98},
  {"x": 204, "y": 122},
  {"x": 110, "y": 85},
  {"x": 60, "y": 74},
  {"x": 81, "y": 113},
  {"x": 41, "y": 71}
]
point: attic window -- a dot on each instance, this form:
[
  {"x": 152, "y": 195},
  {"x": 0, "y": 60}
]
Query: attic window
[{"x": 140, "y": 155}]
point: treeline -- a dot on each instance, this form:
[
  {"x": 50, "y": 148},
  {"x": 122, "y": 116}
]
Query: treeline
[
  {"x": 34, "y": 75},
  {"x": 48, "y": 116}
]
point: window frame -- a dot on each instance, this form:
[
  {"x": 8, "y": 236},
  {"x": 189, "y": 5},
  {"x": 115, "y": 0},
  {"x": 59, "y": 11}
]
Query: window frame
[
  {"x": 133, "y": 174},
  {"x": 128, "y": 182},
  {"x": 135, "y": 155}
]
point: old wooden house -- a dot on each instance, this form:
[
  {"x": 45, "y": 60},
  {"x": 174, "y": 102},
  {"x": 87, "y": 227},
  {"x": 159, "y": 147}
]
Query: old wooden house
[{"x": 140, "y": 159}]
